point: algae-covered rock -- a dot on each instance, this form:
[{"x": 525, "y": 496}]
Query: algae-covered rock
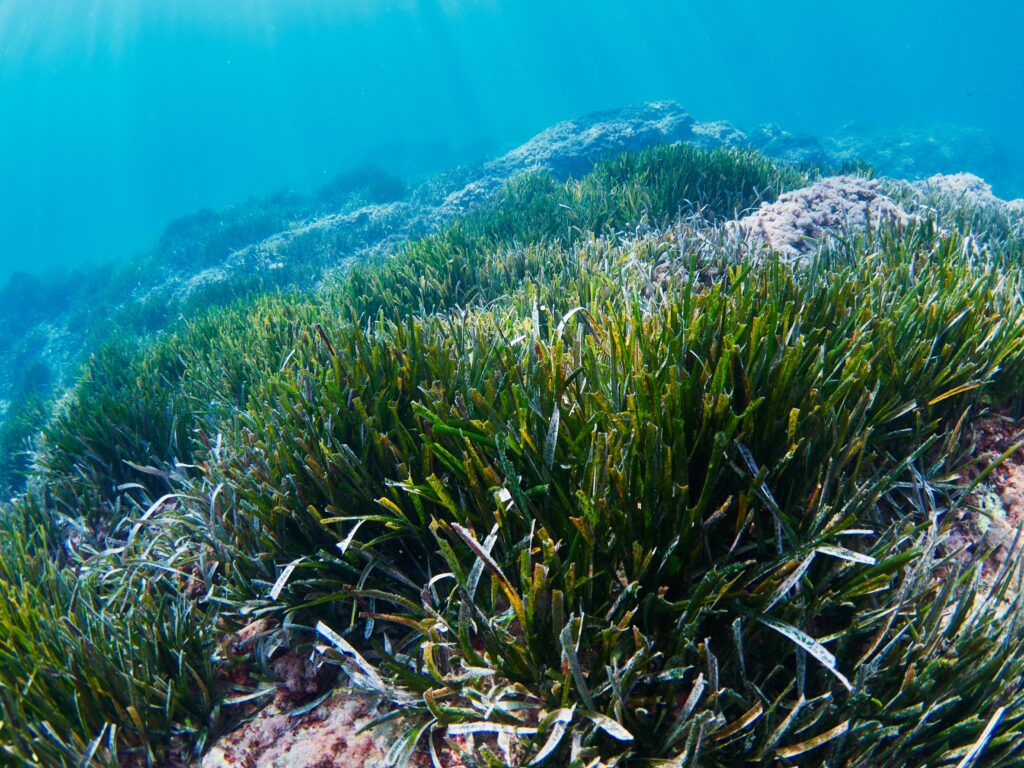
[
  {"x": 798, "y": 222},
  {"x": 917, "y": 152},
  {"x": 788, "y": 146},
  {"x": 572, "y": 147},
  {"x": 718, "y": 133},
  {"x": 968, "y": 189},
  {"x": 327, "y": 737}
]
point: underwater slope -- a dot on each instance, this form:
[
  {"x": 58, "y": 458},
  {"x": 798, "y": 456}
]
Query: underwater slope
[
  {"x": 286, "y": 241},
  {"x": 595, "y": 474},
  {"x": 291, "y": 240}
]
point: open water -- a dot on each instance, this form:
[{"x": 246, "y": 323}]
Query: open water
[{"x": 119, "y": 115}]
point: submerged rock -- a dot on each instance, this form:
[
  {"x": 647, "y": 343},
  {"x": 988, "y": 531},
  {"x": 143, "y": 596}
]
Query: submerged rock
[
  {"x": 967, "y": 188},
  {"x": 798, "y": 222},
  {"x": 917, "y": 152},
  {"x": 789, "y": 147},
  {"x": 327, "y": 737},
  {"x": 718, "y": 133},
  {"x": 989, "y": 523},
  {"x": 573, "y": 147}
]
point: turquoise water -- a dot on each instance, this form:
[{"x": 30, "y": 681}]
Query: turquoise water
[{"x": 118, "y": 115}]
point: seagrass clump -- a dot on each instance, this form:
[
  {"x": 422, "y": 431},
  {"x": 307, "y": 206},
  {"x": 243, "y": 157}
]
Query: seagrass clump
[{"x": 566, "y": 483}]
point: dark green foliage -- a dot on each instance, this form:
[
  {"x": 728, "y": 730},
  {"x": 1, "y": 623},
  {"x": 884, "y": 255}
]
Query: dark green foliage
[
  {"x": 126, "y": 425},
  {"x": 102, "y": 657},
  {"x": 143, "y": 407},
  {"x": 17, "y": 432},
  {"x": 655, "y": 187},
  {"x": 555, "y": 470},
  {"x": 650, "y": 476},
  {"x": 651, "y": 189}
]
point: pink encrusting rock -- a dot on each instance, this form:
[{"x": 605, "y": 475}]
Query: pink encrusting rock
[
  {"x": 797, "y": 223},
  {"x": 966, "y": 185},
  {"x": 968, "y": 188},
  {"x": 331, "y": 736}
]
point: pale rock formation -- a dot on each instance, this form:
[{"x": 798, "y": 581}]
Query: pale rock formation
[
  {"x": 798, "y": 222},
  {"x": 968, "y": 188}
]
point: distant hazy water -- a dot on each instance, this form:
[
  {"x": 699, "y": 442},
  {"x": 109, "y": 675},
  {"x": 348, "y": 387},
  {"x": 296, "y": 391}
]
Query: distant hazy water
[{"x": 117, "y": 115}]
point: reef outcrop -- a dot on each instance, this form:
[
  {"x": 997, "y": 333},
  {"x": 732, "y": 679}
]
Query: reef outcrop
[
  {"x": 572, "y": 147},
  {"x": 797, "y": 223},
  {"x": 968, "y": 188}
]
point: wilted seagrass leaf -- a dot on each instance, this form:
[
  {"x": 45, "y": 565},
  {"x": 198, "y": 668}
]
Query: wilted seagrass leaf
[
  {"x": 551, "y": 441},
  {"x": 790, "y": 581},
  {"x": 955, "y": 391},
  {"x": 785, "y": 726},
  {"x": 809, "y": 644},
  {"x": 493, "y": 567},
  {"x": 346, "y": 648},
  {"x": 693, "y": 698},
  {"x": 683, "y": 720},
  {"x": 978, "y": 747},
  {"x": 744, "y": 720},
  {"x": 485, "y": 726},
  {"x": 478, "y": 567},
  {"x": 345, "y": 543},
  {"x": 148, "y": 514},
  {"x": 846, "y": 554},
  {"x": 569, "y": 653},
  {"x": 559, "y": 722},
  {"x": 612, "y": 727},
  {"x": 806, "y": 746},
  {"x": 282, "y": 580},
  {"x": 402, "y": 749}
]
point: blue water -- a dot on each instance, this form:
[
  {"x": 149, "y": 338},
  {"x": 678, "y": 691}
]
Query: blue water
[{"x": 118, "y": 115}]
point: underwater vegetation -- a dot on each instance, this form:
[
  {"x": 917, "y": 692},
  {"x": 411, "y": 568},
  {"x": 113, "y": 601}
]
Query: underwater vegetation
[
  {"x": 49, "y": 325},
  {"x": 584, "y": 478},
  {"x": 295, "y": 240}
]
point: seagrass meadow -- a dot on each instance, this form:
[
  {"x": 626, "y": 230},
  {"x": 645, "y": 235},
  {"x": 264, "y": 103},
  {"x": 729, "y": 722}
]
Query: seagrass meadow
[{"x": 582, "y": 479}]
